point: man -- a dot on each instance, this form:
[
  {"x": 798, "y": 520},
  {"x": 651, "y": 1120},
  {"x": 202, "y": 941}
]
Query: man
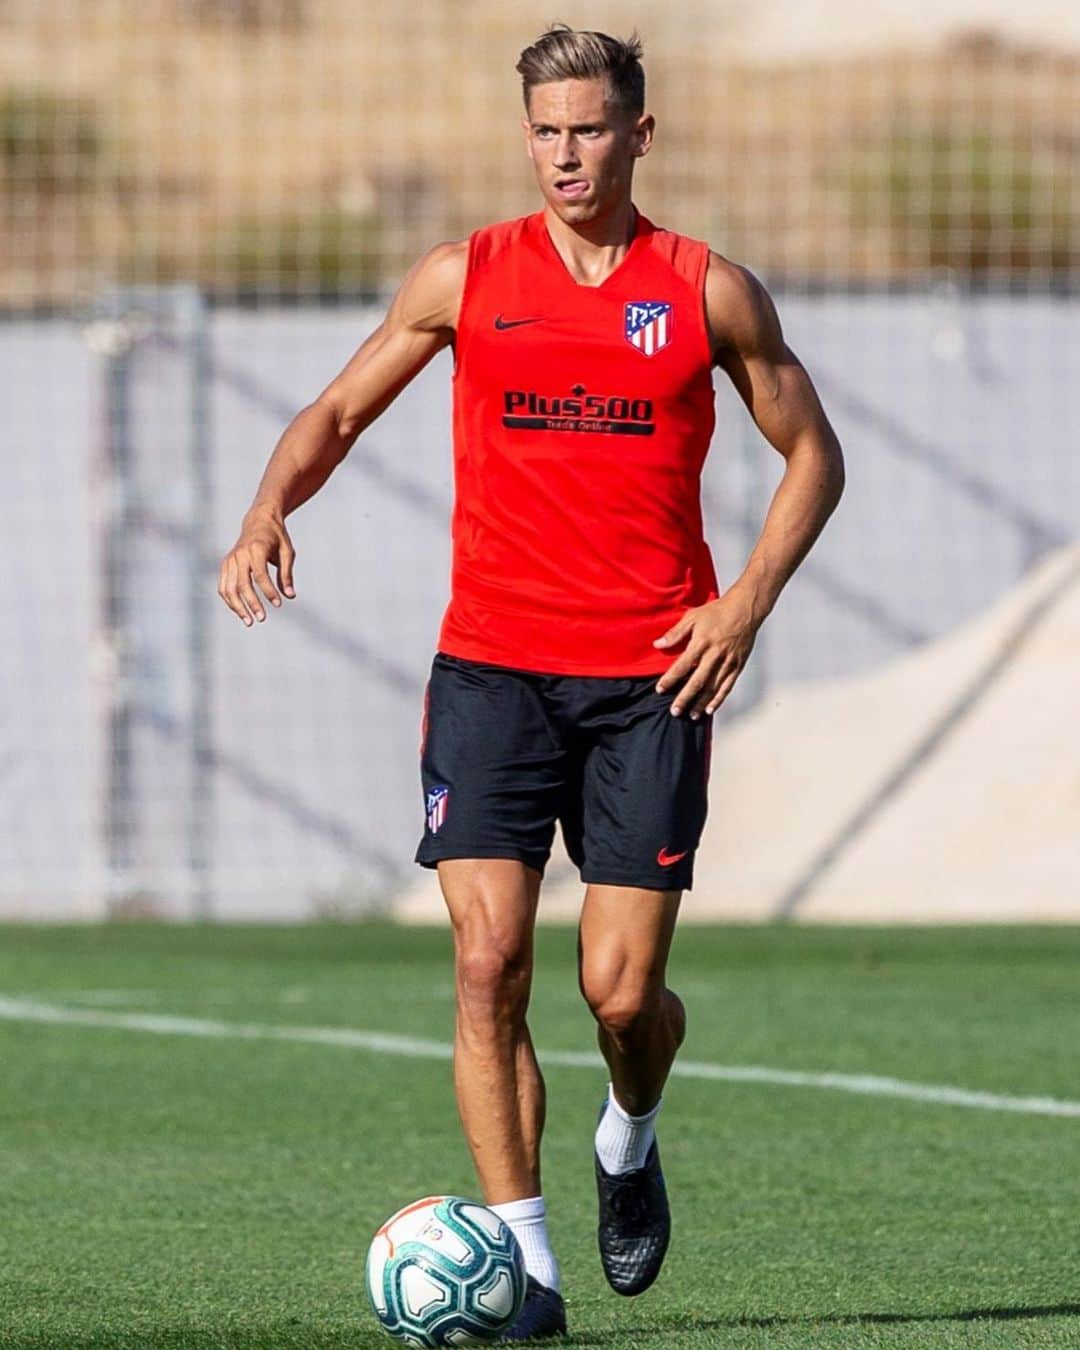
[{"x": 586, "y": 644}]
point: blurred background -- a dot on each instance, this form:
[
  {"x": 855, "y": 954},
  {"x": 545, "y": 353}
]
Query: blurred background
[{"x": 205, "y": 207}]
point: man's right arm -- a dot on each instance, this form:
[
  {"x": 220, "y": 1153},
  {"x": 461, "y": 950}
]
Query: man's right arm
[{"x": 420, "y": 322}]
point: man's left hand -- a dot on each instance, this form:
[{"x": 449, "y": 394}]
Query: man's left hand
[{"x": 721, "y": 636}]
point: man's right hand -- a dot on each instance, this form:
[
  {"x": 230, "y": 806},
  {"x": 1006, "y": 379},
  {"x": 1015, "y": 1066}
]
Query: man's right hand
[
  {"x": 263, "y": 540},
  {"x": 421, "y": 321}
]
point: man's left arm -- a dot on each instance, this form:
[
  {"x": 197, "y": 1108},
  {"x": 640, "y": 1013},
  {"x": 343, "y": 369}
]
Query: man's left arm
[{"x": 749, "y": 344}]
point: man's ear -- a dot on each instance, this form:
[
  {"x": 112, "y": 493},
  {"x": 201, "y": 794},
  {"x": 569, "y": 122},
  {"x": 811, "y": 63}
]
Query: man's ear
[
  {"x": 525, "y": 126},
  {"x": 643, "y": 134}
]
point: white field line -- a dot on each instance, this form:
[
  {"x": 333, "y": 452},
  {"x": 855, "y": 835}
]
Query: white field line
[
  {"x": 105, "y": 997},
  {"x": 386, "y": 1043}
]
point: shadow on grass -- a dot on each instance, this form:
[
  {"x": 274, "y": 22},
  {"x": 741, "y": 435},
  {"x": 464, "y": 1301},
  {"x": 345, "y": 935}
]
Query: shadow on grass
[{"x": 779, "y": 1321}]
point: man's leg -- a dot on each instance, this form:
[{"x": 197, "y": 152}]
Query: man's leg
[
  {"x": 500, "y": 1092},
  {"x": 623, "y": 944}
]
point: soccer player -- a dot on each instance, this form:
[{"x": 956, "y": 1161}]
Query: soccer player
[{"x": 587, "y": 643}]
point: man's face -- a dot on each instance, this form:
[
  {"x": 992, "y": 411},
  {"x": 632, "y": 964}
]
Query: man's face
[{"x": 583, "y": 147}]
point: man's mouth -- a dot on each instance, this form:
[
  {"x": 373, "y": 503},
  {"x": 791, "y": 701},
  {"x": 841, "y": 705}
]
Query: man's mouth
[{"x": 571, "y": 187}]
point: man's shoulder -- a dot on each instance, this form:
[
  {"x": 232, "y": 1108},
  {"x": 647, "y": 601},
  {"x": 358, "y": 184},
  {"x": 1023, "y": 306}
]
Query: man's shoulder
[
  {"x": 730, "y": 279},
  {"x": 443, "y": 261},
  {"x": 487, "y": 242},
  {"x": 738, "y": 307},
  {"x": 430, "y": 295},
  {"x": 732, "y": 287}
]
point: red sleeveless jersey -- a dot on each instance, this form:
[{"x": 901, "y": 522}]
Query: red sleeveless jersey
[{"x": 582, "y": 418}]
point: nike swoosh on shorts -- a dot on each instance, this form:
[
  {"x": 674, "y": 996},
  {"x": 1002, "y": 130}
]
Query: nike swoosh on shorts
[{"x": 666, "y": 859}]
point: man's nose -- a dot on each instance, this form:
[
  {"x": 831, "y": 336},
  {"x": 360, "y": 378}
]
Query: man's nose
[{"x": 566, "y": 156}]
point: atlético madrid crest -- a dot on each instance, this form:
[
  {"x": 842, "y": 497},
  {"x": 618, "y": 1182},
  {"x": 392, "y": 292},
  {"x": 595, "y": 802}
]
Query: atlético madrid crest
[
  {"x": 648, "y": 325},
  {"x": 436, "y": 807}
]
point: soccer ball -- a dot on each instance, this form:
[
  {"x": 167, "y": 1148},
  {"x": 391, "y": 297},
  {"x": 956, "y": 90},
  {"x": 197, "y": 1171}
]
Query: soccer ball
[{"x": 445, "y": 1271}]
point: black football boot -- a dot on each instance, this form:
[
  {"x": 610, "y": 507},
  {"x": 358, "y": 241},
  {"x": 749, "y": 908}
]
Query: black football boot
[
  {"x": 543, "y": 1314},
  {"x": 635, "y": 1224}
]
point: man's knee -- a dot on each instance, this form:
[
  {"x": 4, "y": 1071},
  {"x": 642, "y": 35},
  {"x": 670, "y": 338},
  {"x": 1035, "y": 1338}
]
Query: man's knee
[
  {"x": 493, "y": 967},
  {"x": 491, "y": 976},
  {"x": 622, "y": 1002},
  {"x": 492, "y": 904},
  {"x": 626, "y": 1004}
]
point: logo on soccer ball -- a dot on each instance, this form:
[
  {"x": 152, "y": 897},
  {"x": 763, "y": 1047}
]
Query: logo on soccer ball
[
  {"x": 436, "y": 807},
  {"x": 648, "y": 325}
]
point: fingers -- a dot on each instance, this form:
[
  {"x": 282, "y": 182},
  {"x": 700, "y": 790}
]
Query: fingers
[
  {"x": 247, "y": 563},
  {"x": 709, "y": 685},
  {"x": 263, "y": 581},
  {"x": 717, "y": 650},
  {"x": 726, "y": 685},
  {"x": 718, "y": 689},
  {"x": 229, "y": 590},
  {"x": 235, "y": 584},
  {"x": 678, "y": 631},
  {"x": 688, "y": 694},
  {"x": 686, "y": 661},
  {"x": 678, "y": 670},
  {"x": 247, "y": 591},
  {"x": 286, "y": 558}
]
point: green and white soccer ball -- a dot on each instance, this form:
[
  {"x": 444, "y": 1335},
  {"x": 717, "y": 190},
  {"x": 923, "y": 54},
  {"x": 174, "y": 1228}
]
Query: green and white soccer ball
[{"x": 445, "y": 1271}]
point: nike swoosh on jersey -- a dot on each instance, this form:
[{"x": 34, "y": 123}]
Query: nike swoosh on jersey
[
  {"x": 666, "y": 859},
  {"x": 502, "y": 324}
]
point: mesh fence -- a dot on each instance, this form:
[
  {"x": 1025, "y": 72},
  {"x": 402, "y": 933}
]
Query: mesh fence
[
  {"x": 206, "y": 203},
  {"x": 310, "y": 148}
]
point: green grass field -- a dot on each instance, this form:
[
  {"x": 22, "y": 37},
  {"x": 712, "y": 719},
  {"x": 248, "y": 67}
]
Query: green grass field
[{"x": 165, "y": 1190}]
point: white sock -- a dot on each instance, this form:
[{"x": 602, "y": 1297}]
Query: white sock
[
  {"x": 527, "y": 1220},
  {"x": 622, "y": 1140}
]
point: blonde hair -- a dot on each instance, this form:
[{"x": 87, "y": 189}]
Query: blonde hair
[{"x": 564, "y": 53}]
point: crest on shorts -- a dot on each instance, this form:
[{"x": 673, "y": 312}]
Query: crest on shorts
[
  {"x": 648, "y": 325},
  {"x": 436, "y": 807}
]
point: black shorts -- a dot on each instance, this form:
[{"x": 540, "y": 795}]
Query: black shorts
[{"x": 505, "y": 753}]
